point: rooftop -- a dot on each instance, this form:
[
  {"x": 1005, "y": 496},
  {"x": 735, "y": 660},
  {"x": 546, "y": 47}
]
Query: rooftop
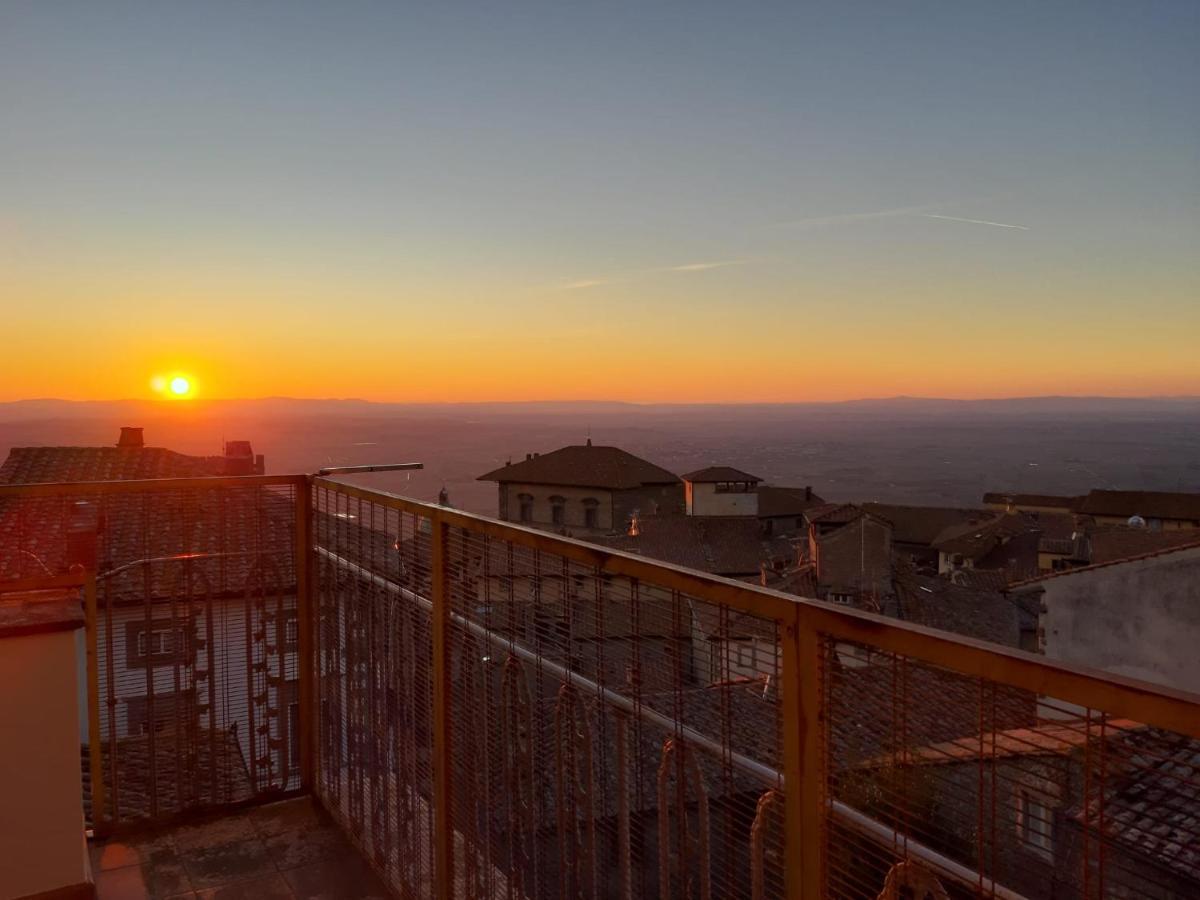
[
  {"x": 1049, "y": 501},
  {"x": 921, "y": 524},
  {"x": 722, "y": 545},
  {"x": 774, "y": 501},
  {"x": 584, "y": 465},
  {"x": 1148, "y": 504},
  {"x": 975, "y": 539},
  {"x": 719, "y": 473}
]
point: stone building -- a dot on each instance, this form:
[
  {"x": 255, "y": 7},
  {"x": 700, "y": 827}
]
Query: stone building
[
  {"x": 721, "y": 491},
  {"x": 584, "y": 490}
]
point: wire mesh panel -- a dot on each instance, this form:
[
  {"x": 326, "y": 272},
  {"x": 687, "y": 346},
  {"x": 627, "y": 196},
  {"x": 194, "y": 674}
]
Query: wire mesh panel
[
  {"x": 612, "y": 737},
  {"x": 194, "y": 637},
  {"x": 944, "y": 784},
  {"x": 605, "y": 735},
  {"x": 374, "y": 683}
]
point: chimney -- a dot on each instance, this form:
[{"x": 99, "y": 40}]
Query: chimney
[
  {"x": 130, "y": 437},
  {"x": 528, "y": 457},
  {"x": 589, "y": 442},
  {"x": 239, "y": 458},
  {"x": 83, "y": 531}
]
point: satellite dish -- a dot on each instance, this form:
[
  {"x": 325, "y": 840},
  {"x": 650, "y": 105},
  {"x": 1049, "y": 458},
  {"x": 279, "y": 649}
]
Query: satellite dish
[{"x": 1136, "y": 522}]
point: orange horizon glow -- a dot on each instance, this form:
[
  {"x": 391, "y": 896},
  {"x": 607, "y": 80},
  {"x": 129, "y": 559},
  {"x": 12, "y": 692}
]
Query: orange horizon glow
[{"x": 603, "y": 221}]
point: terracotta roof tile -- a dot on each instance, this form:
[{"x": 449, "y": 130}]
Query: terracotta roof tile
[
  {"x": 1148, "y": 504},
  {"x": 1048, "y": 500},
  {"x": 785, "y": 501},
  {"x": 921, "y": 524},
  {"x": 40, "y": 465},
  {"x": 722, "y": 545},
  {"x": 719, "y": 473},
  {"x": 584, "y": 465}
]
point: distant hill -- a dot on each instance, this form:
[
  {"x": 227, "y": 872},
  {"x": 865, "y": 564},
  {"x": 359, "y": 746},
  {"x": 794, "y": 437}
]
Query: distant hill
[{"x": 896, "y": 450}]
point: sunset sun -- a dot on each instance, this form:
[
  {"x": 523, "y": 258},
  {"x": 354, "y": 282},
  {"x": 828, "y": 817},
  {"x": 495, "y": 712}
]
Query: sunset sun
[{"x": 176, "y": 386}]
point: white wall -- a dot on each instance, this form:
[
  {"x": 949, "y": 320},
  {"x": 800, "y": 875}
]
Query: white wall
[
  {"x": 703, "y": 500},
  {"x": 42, "y": 846},
  {"x": 1140, "y": 619},
  {"x": 230, "y": 676}
]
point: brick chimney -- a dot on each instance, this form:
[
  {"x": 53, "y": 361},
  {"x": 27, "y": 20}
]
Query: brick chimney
[
  {"x": 240, "y": 459},
  {"x": 131, "y": 437}
]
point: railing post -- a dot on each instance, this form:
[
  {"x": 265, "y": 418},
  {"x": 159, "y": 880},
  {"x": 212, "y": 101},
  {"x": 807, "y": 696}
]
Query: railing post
[
  {"x": 95, "y": 746},
  {"x": 443, "y": 820},
  {"x": 306, "y": 647},
  {"x": 803, "y": 759}
]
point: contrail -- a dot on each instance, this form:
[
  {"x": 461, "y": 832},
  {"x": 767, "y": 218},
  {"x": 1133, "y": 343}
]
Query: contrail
[
  {"x": 975, "y": 221},
  {"x": 861, "y": 216},
  {"x": 705, "y": 266}
]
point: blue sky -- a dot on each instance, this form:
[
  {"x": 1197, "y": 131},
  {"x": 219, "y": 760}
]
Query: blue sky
[{"x": 567, "y": 174}]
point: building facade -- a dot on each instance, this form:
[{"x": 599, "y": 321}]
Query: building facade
[{"x": 584, "y": 490}]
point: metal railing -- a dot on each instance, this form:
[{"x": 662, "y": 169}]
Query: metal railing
[
  {"x": 190, "y": 648},
  {"x": 492, "y": 711},
  {"x": 504, "y": 712}
]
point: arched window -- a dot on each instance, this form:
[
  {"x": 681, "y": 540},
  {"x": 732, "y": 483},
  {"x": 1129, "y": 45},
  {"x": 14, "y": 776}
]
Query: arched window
[
  {"x": 558, "y": 510},
  {"x": 526, "y": 501}
]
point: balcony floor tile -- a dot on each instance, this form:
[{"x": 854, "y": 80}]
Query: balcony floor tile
[{"x": 283, "y": 850}]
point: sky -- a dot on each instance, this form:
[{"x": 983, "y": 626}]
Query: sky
[{"x": 632, "y": 201}]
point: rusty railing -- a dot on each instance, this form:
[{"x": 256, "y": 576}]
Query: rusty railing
[{"x": 492, "y": 711}]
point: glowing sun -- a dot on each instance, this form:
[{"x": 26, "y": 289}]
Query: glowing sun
[{"x": 176, "y": 386}]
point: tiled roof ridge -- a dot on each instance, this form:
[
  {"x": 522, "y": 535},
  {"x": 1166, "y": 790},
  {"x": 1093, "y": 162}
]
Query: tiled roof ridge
[{"x": 1163, "y": 551}]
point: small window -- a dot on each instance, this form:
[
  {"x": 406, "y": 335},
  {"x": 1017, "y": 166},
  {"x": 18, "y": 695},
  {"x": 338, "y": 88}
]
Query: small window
[
  {"x": 526, "y": 507},
  {"x": 558, "y": 514},
  {"x": 591, "y": 513},
  {"x": 291, "y": 631},
  {"x": 843, "y": 599},
  {"x": 722, "y": 487},
  {"x": 1035, "y": 822},
  {"x": 163, "y": 643}
]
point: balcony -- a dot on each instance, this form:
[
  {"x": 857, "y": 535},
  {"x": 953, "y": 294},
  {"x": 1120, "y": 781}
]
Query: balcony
[{"x": 483, "y": 710}]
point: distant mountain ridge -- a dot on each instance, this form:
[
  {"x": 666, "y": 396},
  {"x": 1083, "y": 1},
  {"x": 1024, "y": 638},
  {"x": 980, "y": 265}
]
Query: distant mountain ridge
[{"x": 42, "y": 408}]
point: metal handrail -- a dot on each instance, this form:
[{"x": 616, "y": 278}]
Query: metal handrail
[
  {"x": 1153, "y": 704},
  {"x": 768, "y": 775},
  {"x": 361, "y": 470}
]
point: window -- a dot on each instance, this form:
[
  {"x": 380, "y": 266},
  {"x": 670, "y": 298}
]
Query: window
[
  {"x": 591, "y": 513},
  {"x": 843, "y": 599},
  {"x": 160, "y": 642},
  {"x": 163, "y": 642},
  {"x": 526, "y": 501},
  {"x": 1035, "y": 821},
  {"x": 722, "y": 487},
  {"x": 558, "y": 510},
  {"x": 291, "y": 630}
]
